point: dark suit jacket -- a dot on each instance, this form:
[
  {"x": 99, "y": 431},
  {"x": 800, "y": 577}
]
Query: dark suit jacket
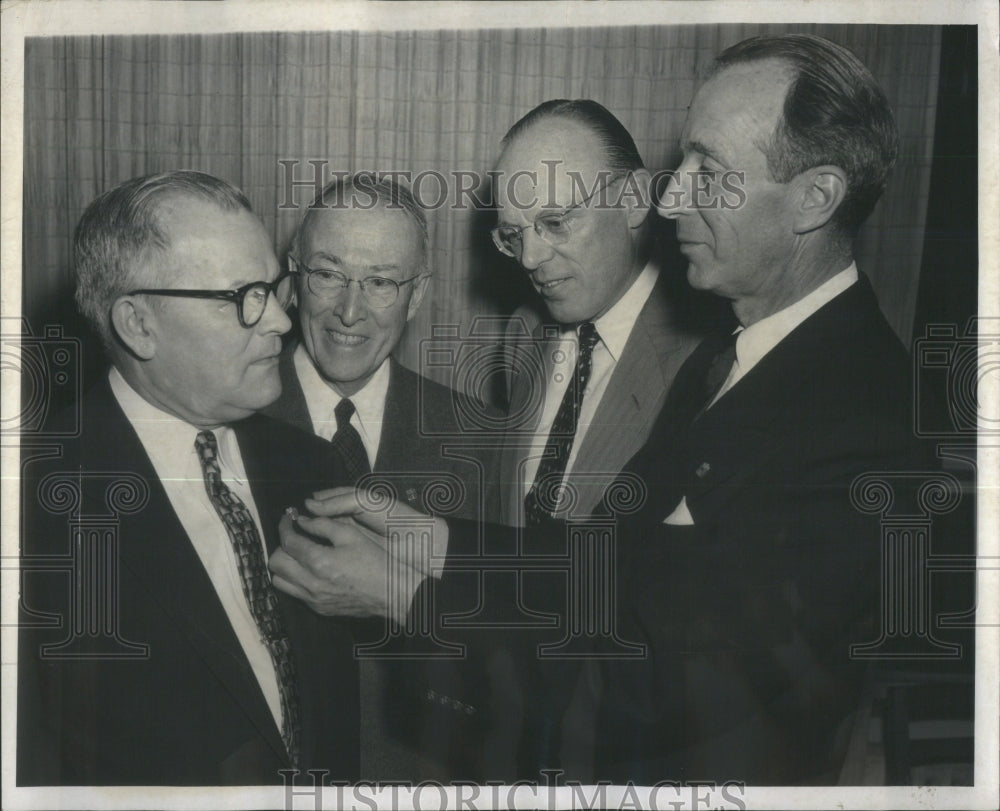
[
  {"x": 422, "y": 441},
  {"x": 748, "y": 614},
  {"x": 404, "y": 735},
  {"x": 187, "y": 710},
  {"x": 655, "y": 350}
]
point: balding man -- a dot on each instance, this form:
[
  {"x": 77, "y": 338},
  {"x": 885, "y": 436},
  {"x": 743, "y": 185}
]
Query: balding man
[{"x": 573, "y": 200}]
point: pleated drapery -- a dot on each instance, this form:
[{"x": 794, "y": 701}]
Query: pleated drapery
[{"x": 255, "y": 108}]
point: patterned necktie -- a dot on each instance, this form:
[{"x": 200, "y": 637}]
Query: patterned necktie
[
  {"x": 560, "y": 442},
  {"x": 257, "y": 586},
  {"x": 348, "y": 442}
]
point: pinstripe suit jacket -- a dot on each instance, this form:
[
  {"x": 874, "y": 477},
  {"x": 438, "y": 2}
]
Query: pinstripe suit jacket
[{"x": 624, "y": 418}]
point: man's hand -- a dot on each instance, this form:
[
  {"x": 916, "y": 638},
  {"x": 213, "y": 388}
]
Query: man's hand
[
  {"x": 418, "y": 540},
  {"x": 355, "y": 577}
]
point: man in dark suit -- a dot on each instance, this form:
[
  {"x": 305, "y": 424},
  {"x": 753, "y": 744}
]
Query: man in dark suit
[
  {"x": 573, "y": 200},
  {"x": 361, "y": 266},
  {"x": 746, "y": 568},
  {"x": 360, "y": 260},
  {"x": 166, "y": 657}
]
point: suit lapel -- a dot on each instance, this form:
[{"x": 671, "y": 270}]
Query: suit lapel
[
  {"x": 744, "y": 428},
  {"x": 398, "y": 418},
  {"x": 634, "y": 396},
  {"x": 154, "y": 547},
  {"x": 527, "y": 399}
]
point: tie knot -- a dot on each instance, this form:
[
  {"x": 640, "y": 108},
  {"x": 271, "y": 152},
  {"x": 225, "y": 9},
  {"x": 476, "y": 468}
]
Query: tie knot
[
  {"x": 588, "y": 338},
  {"x": 207, "y": 447},
  {"x": 343, "y": 413}
]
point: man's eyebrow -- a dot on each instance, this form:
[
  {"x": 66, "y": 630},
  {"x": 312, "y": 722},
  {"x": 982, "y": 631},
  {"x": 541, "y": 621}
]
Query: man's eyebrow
[
  {"x": 382, "y": 268},
  {"x": 327, "y": 257},
  {"x": 704, "y": 149}
]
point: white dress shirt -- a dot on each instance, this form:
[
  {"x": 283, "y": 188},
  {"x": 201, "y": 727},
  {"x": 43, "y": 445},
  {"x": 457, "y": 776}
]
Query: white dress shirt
[
  {"x": 614, "y": 329},
  {"x": 322, "y": 399},
  {"x": 754, "y": 342},
  {"x": 169, "y": 443}
]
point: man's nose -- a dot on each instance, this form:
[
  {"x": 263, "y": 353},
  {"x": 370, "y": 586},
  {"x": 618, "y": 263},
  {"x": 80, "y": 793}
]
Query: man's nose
[
  {"x": 274, "y": 319},
  {"x": 351, "y": 306},
  {"x": 534, "y": 249},
  {"x": 676, "y": 197}
]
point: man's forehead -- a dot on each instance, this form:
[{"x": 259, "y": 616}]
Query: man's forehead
[
  {"x": 753, "y": 89},
  {"x": 383, "y": 232},
  {"x": 553, "y": 151},
  {"x": 737, "y": 106}
]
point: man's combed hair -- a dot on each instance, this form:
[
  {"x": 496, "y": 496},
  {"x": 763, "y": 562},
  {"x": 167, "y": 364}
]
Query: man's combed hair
[
  {"x": 621, "y": 153},
  {"x": 367, "y": 190},
  {"x": 119, "y": 235},
  {"x": 835, "y": 114}
]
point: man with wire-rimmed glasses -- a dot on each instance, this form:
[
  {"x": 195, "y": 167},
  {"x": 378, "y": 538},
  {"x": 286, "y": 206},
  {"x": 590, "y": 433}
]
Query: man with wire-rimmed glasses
[
  {"x": 175, "y": 661},
  {"x": 573, "y": 201},
  {"x": 360, "y": 262}
]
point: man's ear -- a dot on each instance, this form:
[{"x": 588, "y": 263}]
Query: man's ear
[
  {"x": 419, "y": 288},
  {"x": 822, "y": 190},
  {"x": 133, "y": 321},
  {"x": 636, "y": 196}
]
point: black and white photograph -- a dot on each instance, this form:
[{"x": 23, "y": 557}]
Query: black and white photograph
[{"x": 432, "y": 405}]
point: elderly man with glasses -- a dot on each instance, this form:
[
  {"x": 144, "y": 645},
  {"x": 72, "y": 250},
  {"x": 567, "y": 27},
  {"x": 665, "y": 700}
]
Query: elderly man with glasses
[
  {"x": 360, "y": 262},
  {"x": 153, "y": 648}
]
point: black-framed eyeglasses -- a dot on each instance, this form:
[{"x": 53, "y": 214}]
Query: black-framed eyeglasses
[
  {"x": 554, "y": 227},
  {"x": 250, "y": 299},
  {"x": 379, "y": 291}
]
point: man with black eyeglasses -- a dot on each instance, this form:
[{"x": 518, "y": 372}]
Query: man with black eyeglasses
[
  {"x": 153, "y": 648},
  {"x": 360, "y": 264}
]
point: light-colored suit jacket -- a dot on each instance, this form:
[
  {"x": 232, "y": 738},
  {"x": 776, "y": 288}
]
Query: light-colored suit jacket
[{"x": 656, "y": 348}]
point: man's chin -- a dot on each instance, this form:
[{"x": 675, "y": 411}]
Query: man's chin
[
  {"x": 698, "y": 277},
  {"x": 565, "y": 312}
]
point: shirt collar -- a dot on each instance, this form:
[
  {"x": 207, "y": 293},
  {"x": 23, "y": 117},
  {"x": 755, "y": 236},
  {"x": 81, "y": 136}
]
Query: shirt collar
[
  {"x": 322, "y": 398},
  {"x": 616, "y": 324},
  {"x": 761, "y": 337},
  {"x": 169, "y": 440}
]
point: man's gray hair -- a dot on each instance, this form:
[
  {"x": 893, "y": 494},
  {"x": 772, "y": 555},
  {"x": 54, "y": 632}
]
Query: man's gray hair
[
  {"x": 367, "y": 190},
  {"x": 119, "y": 235}
]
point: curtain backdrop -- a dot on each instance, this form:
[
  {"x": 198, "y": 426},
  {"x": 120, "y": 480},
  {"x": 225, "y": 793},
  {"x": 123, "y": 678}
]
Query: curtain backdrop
[{"x": 99, "y": 110}]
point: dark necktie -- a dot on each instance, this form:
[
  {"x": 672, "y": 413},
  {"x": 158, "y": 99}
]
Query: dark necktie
[
  {"x": 257, "y": 586},
  {"x": 560, "y": 442},
  {"x": 719, "y": 369},
  {"x": 348, "y": 442}
]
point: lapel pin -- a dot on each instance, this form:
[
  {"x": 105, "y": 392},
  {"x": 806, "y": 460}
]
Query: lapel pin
[{"x": 703, "y": 470}]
